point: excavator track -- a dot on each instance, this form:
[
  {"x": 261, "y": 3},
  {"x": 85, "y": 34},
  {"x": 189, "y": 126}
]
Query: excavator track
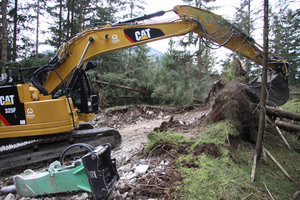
[{"x": 28, "y": 152}]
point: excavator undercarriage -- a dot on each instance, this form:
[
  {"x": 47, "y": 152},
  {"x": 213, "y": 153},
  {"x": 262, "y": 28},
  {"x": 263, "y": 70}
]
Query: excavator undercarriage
[{"x": 30, "y": 151}]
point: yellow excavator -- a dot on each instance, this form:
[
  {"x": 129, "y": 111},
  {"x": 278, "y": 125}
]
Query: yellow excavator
[{"x": 40, "y": 119}]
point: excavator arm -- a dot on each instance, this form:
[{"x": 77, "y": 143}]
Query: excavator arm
[{"x": 99, "y": 40}]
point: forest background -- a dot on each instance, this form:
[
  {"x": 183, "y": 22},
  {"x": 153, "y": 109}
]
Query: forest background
[{"x": 181, "y": 75}]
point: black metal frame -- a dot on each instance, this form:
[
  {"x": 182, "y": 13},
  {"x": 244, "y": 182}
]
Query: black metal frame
[{"x": 101, "y": 171}]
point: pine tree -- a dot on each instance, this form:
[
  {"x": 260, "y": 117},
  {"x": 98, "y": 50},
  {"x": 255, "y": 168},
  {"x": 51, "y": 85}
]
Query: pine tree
[
  {"x": 4, "y": 36},
  {"x": 244, "y": 21},
  {"x": 18, "y": 22},
  {"x": 135, "y": 7},
  {"x": 203, "y": 4},
  {"x": 285, "y": 40}
]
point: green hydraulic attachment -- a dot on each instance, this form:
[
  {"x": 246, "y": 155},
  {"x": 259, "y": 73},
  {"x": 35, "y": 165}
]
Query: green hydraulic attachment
[{"x": 95, "y": 172}]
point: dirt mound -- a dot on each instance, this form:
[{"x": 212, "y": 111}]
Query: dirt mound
[
  {"x": 165, "y": 150},
  {"x": 134, "y": 114},
  {"x": 210, "y": 149},
  {"x": 232, "y": 103},
  {"x": 171, "y": 124}
]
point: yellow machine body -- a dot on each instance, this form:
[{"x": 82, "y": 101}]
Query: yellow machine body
[{"x": 42, "y": 116}]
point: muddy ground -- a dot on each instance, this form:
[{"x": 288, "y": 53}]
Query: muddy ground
[{"x": 141, "y": 177}]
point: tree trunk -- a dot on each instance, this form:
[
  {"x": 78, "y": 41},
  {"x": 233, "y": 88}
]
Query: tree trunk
[
  {"x": 60, "y": 35},
  {"x": 248, "y": 33},
  {"x": 72, "y": 19},
  {"x": 288, "y": 126},
  {"x": 37, "y": 29},
  {"x": 198, "y": 4},
  {"x": 14, "y": 56},
  {"x": 80, "y": 16},
  {"x": 124, "y": 87},
  {"x": 4, "y": 37},
  {"x": 283, "y": 113},
  {"x": 199, "y": 59},
  {"x": 68, "y": 19},
  {"x": 129, "y": 54},
  {"x": 262, "y": 116}
]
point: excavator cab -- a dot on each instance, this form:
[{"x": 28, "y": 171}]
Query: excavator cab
[
  {"x": 79, "y": 88},
  {"x": 13, "y": 74},
  {"x": 84, "y": 99}
]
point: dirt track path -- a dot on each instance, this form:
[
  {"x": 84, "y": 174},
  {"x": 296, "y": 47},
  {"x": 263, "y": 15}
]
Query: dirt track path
[{"x": 134, "y": 138}]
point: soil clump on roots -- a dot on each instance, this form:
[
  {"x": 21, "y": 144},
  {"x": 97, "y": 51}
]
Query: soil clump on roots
[{"x": 233, "y": 104}]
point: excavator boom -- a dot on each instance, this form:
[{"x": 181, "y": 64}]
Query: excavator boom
[{"x": 213, "y": 29}]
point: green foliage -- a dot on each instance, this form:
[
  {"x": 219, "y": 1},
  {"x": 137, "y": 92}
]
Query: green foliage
[
  {"x": 29, "y": 65},
  {"x": 176, "y": 81},
  {"x": 215, "y": 179},
  {"x": 229, "y": 74},
  {"x": 72, "y": 16},
  {"x": 218, "y": 132},
  {"x": 174, "y": 88},
  {"x": 285, "y": 40},
  {"x": 21, "y": 44},
  {"x": 243, "y": 17},
  {"x": 171, "y": 80},
  {"x": 140, "y": 58},
  {"x": 292, "y": 105}
]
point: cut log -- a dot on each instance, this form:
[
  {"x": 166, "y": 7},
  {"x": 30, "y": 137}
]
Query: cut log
[
  {"x": 278, "y": 165},
  {"x": 253, "y": 171},
  {"x": 295, "y": 195},
  {"x": 283, "y": 113},
  {"x": 287, "y": 126},
  {"x": 269, "y": 192},
  {"x": 283, "y": 138},
  {"x": 279, "y": 132}
]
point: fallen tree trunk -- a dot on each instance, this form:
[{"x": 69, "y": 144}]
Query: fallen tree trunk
[
  {"x": 283, "y": 113},
  {"x": 124, "y": 87},
  {"x": 287, "y": 126},
  {"x": 278, "y": 165},
  {"x": 283, "y": 138},
  {"x": 198, "y": 100}
]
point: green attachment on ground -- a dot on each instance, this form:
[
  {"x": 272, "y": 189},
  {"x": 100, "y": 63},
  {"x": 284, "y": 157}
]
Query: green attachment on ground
[
  {"x": 95, "y": 172},
  {"x": 56, "y": 180}
]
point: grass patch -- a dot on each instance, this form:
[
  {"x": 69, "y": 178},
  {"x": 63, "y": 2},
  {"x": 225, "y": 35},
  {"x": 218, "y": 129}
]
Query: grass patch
[
  {"x": 227, "y": 175},
  {"x": 218, "y": 132}
]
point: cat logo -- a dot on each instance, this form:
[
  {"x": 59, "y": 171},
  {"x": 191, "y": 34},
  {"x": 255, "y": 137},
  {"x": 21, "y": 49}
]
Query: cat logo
[
  {"x": 143, "y": 34},
  {"x": 7, "y": 100}
]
